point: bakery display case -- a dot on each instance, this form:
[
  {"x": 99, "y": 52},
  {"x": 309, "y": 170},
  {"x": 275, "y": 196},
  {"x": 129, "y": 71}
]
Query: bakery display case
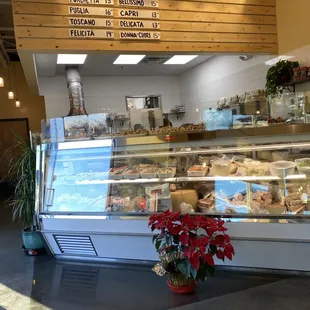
[{"x": 94, "y": 197}]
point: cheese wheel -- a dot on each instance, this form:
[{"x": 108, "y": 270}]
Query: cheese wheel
[{"x": 189, "y": 196}]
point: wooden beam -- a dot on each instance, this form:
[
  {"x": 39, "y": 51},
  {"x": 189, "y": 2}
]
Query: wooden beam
[
  {"x": 8, "y": 37},
  {"x": 4, "y": 58}
]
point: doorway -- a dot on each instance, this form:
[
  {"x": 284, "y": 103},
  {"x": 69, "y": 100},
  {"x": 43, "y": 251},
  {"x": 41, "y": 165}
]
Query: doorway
[{"x": 10, "y": 129}]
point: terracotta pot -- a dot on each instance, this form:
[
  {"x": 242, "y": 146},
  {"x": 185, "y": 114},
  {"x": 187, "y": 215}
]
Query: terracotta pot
[{"x": 180, "y": 285}]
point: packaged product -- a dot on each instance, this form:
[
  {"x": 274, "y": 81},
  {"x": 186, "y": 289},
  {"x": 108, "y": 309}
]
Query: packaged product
[{"x": 158, "y": 198}]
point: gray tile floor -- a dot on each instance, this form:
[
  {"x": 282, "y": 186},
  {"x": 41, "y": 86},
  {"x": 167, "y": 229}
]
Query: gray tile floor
[{"x": 42, "y": 283}]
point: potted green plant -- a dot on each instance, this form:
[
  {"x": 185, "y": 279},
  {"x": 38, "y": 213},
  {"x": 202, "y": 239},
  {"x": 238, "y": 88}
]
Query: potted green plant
[
  {"x": 22, "y": 171},
  {"x": 279, "y": 74},
  {"x": 186, "y": 246}
]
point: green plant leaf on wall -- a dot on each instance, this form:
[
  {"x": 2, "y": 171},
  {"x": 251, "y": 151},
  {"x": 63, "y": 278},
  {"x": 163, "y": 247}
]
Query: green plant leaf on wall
[{"x": 282, "y": 69}]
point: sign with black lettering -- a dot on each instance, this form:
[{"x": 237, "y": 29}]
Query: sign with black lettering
[
  {"x": 139, "y": 35},
  {"x": 138, "y": 14},
  {"x": 84, "y": 10},
  {"x": 90, "y": 22},
  {"x": 91, "y": 33},
  {"x": 141, "y": 24},
  {"x": 141, "y": 3},
  {"x": 104, "y": 2}
]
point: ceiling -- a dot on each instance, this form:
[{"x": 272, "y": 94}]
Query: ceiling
[
  {"x": 7, "y": 38},
  {"x": 102, "y": 65}
]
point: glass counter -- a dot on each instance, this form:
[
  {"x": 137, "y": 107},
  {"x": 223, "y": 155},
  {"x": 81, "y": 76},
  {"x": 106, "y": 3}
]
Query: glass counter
[{"x": 242, "y": 174}]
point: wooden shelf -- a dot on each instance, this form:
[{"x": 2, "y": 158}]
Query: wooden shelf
[{"x": 294, "y": 83}]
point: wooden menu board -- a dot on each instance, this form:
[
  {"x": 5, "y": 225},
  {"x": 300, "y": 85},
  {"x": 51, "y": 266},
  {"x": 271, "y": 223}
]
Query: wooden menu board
[{"x": 146, "y": 25}]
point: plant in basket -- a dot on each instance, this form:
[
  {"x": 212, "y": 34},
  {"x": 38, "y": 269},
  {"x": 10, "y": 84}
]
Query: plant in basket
[{"x": 186, "y": 246}]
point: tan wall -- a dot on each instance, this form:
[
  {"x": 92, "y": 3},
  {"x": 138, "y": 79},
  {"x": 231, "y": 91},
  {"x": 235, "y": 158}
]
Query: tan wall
[
  {"x": 293, "y": 24},
  {"x": 32, "y": 106}
]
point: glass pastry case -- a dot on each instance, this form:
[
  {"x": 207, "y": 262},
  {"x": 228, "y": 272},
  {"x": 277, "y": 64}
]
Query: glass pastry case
[{"x": 94, "y": 197}]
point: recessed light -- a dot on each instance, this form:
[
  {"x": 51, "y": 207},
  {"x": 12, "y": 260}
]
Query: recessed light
[
  {"x": 71, "y": 59},
  {"x": 180, "y": 59},
  {"x": 128, "y": 59},
  {"x": 273, "y": 61}
]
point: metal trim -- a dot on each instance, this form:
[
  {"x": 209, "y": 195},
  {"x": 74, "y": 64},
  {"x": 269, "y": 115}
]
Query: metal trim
[
  {"x": 97, "y": 261},
  {"x": 148, "y": 235},
  {"x": 271, "y": 131},
  {"x": 146, "y": 215}
]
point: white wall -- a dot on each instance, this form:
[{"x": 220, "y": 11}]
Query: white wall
[
  {"x": 198, "y": 88},
  {"x": 109, "y": 92},
  {"x": 221, "y": 76}
]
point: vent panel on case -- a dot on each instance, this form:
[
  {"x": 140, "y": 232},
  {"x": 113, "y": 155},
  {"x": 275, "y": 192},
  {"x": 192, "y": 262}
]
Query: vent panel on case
[{"x": 70, "y": 244}]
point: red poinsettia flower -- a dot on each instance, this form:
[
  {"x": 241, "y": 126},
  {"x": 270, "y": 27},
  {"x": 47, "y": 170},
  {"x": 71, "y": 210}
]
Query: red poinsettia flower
[{"x": 196, "y": 238}]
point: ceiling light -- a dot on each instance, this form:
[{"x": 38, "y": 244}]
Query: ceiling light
[
  {"x": 128, "y": 59},
  {"x": 1, "y": 82},
  {"x": 10, "y": 95},
  {"x": 180, "y": 59},
  {"x": 17, "y": 103},
  {"x": 71, "y": 59},
  {"x": 273, "y": 61}
]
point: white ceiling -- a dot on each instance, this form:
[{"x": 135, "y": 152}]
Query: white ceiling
[{"x": 102, "y": 65}]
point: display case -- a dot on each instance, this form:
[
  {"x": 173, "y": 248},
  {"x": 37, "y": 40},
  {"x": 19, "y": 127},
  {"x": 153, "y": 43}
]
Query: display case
[{"x": 94, "y": 197}]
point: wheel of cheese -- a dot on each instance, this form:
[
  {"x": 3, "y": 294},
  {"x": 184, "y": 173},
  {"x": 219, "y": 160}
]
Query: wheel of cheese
[{"x": 189, "y": 196}]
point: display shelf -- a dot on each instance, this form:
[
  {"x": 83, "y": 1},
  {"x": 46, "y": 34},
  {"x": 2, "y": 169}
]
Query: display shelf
[
  {"x": 186, "y": 179},
  {"x": 128, "y": 215},
  {"x": 241, "y": 149}
]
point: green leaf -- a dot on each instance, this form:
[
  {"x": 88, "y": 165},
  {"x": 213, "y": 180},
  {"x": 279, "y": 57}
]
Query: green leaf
[
  {"x": 154, "y": 237},
  {"x": 157, "y": 244},
  {"x": 211, "y": 270},
  {"x": 184, "y": 267},
  {"x": 193, "y": 272},
  {"x": 202, "y": 272}
]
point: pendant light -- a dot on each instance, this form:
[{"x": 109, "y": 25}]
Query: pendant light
[
  {"x": 17, "y": 102},
  {"x": 10, "y": 93},
  {"x": 1, "y": 82}
]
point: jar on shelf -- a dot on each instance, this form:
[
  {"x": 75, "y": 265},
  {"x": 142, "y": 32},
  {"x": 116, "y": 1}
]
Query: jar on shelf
[
  {"x": 296, "y": 74},
  {"x": 303, "y": 73}
]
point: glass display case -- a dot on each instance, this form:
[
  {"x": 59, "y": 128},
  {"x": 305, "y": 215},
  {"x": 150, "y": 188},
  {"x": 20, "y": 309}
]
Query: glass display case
[
  {"x": 94, "y": 197},
  {"x": 190, "y": 173}
]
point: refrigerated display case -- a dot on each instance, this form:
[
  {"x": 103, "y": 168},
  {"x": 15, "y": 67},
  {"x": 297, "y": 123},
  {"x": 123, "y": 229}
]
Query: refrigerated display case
[{"x": 94, "y": 197}]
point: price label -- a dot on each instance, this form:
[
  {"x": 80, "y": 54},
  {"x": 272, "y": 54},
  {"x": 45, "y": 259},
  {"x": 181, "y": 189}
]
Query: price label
[
  {"x": 104, "y": 2},
  {"x": 141, "y": 24},
  {"x": 91, "y": 33},
  {"x": 90, "y": 22},
  {"x": 141, "y": 3},
  {"x": 138, "y": 14},
  {"x": 139, "y": 35},
  {"x": 84, "y": 10}
]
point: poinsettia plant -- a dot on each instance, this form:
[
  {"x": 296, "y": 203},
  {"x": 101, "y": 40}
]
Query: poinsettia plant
[{"x": 187, "y": 244}]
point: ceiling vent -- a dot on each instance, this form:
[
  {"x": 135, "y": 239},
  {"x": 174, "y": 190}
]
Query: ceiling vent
[{"x": 155, "y": 60}]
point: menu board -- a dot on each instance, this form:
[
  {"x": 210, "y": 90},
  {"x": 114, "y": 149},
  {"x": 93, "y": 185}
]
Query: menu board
[
  {"x": 131, "y": 24},
  {"x": 232, "y": 26}
]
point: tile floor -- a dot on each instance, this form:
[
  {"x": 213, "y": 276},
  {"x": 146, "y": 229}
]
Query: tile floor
[{"x": 42, "y": 283}]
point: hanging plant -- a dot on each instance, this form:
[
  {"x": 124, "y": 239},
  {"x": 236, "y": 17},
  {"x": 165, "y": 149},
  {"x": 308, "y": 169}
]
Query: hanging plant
[{"x": 279, "y": 74}]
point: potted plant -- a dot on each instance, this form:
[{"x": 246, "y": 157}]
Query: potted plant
[
  {"x": 186, "y": 246},
  {"x": 22, "y": 170},
  {"x": 279, "y": 74}
]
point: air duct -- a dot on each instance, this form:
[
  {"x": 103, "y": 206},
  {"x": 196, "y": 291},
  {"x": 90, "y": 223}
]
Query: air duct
[{"x": 76, "y": 95}]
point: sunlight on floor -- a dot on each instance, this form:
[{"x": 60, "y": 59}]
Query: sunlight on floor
[{"x": 12, "y": 300}]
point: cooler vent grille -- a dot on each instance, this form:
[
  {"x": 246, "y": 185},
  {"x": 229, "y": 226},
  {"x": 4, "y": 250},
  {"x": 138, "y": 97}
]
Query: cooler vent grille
[{"x": 79, "y": 245}]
